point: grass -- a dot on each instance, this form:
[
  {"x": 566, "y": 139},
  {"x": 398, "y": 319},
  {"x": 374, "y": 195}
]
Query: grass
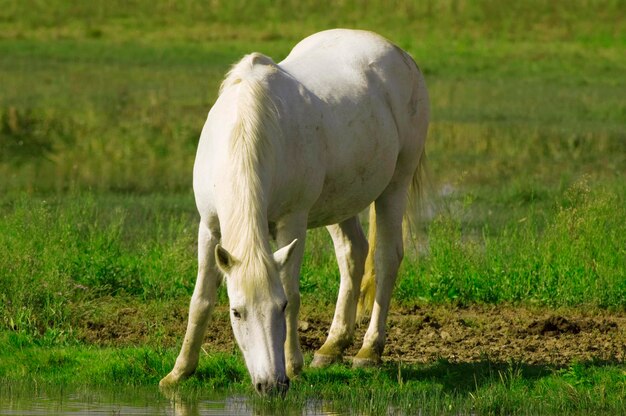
[
  {"x": 440, "y": 387},
  {"x": 62, "y": 255},
  {"x": 116, "y": 111},
  {"x": 572, "y": 254},
  {"x": 100, "y": 111}
]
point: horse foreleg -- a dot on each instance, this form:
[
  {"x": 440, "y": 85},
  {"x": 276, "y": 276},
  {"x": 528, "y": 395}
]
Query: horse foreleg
[
  {"x": 286, "y": 231},
  {"x": 351, "y": 250},
  {"x": 389, "y": 251},
  {"x": 200, "y": 308}
]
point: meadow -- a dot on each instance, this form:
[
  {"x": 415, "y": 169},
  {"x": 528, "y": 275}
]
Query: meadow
[{"x": 101, "y": 107}]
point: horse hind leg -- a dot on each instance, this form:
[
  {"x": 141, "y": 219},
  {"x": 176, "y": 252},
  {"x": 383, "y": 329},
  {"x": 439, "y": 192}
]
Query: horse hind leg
[
  {"x": 368, "y": 284},
  {"x": 351, "y": 250},
  {"x": 200, "y": 307},
  {"x": 388, "y": 251}
]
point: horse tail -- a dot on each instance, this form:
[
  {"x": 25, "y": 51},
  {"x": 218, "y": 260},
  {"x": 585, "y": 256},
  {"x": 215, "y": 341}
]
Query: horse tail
[
  {"x": 417, "y": 188},
  {"x": 368, "y": 284},
  {"x": 415, "y": 199}
]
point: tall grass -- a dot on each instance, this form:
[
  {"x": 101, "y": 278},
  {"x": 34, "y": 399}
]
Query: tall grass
[
  {"x": 573, "y": 255},
  {"x": 57, "y": 256}
]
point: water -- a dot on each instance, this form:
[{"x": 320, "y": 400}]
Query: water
[{"x": 143, "y": 401}]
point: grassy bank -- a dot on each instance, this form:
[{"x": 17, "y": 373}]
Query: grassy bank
[{"x": 440, "y": 387}]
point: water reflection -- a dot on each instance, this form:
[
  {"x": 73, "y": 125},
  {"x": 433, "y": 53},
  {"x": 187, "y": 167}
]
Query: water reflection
[
  {"x": 243, "y": 405},
  {"x": 144, "y": 401}
]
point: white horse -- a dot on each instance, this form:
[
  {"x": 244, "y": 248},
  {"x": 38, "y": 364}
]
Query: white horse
[{"x": 308, "y": 142}]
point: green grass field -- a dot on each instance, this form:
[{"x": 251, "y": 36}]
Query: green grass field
[
  {"x": 101, "y": 107},
  {"x": 436, "y": 388}
]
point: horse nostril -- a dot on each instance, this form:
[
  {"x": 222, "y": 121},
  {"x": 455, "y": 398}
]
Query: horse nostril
[{"x": 279, "y": 386}]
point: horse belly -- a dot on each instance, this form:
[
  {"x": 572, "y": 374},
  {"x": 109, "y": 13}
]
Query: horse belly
[{"x": 352, "y": 189}]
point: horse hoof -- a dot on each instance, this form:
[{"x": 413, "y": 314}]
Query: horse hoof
[
  {"x": 169, "y": 381},
  {"x": 366, "y": 357},
  {"x": 294, "y": 370},
  {"x": 322, "y": 360},
  {"x": 365, "y": 362}
]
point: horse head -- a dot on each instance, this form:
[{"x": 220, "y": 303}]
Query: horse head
[{"x": 257, "y": 314}]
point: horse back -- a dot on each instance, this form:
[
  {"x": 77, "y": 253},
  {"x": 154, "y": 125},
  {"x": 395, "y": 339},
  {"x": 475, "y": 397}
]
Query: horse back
[{"x": 366, "y": 91}]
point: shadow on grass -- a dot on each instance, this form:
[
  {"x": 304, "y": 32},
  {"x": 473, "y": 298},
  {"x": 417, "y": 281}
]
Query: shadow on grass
[
  {"x": 466, "y": 377},
  {"x": 458, "y": 378}
]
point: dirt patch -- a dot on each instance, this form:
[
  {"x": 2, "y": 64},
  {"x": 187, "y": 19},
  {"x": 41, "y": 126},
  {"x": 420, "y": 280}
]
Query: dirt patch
[
  {"x": 415, "y": 334},
  {"x": 554, "y": 325},
  {"x": 534, "y": 336},
  {"x": 498, "y": 333}
]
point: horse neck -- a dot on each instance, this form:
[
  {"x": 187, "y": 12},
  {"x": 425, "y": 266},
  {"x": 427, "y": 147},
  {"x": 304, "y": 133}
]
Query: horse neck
[
  {"x": 247, "y": 174},
  {"x": 244, "y": 228},
  {"x": 250, "y": 164}
]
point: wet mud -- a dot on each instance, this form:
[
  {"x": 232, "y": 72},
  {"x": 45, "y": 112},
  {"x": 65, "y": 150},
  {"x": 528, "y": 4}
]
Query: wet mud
[{"x": 415, "y": 334}]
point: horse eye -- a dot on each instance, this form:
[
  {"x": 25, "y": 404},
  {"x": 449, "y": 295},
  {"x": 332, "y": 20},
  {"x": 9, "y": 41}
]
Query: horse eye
[{"x": 236, "y": 313}]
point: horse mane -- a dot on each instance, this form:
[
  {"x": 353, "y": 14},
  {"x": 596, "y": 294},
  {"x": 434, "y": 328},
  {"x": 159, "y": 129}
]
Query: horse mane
[{"x": 252, "y": 143}]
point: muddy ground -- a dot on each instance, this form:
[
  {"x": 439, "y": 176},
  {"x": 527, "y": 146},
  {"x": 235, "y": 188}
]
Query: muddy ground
[{"x": 415, "y": 334}]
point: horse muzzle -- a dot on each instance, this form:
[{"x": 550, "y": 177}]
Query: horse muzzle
[{"x": 272, "y": 387}]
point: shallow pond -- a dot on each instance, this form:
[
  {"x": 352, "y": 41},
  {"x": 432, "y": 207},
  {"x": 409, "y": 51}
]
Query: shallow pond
[{"x": 142, "y": 401}]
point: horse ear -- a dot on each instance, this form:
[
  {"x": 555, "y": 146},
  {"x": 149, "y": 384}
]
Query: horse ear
[
  {"x": 223, "y": 259},
  {"x": 282, "y": 256}
]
